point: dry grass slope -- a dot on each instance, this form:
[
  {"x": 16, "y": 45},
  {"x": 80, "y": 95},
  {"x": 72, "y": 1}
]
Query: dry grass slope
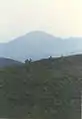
[{"x": 45, "y": 89}]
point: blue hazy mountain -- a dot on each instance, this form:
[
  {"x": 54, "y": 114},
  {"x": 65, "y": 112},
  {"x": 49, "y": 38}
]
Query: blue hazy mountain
[{"x": 37, "y": 45}]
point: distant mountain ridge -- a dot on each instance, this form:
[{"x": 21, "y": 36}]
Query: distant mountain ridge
[{"x": 38, "y": 45}]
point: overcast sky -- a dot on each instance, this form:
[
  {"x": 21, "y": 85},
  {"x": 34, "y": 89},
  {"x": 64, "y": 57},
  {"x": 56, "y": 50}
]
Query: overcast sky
[{"x": 58, "y": 17}]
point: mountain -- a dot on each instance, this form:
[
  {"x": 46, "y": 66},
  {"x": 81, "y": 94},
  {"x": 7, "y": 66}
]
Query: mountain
[
  {"x": 37, "y": 45},
  {"x": 5, "y": 62},
  {"x": 44, "y": 89}
]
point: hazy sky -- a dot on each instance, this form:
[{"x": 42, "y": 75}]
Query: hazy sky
[{"x": 58, "y": 17}]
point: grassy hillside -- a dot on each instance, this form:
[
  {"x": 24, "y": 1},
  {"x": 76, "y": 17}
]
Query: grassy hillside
[
  {"x": 6, "y": 62},
  {"x": 45, "y": 89}
]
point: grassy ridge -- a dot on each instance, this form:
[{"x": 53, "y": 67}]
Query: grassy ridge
[{"x": 45, "y": 89}]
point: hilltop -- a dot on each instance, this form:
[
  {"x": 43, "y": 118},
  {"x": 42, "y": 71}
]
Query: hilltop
[
  {"x": 38, "y": 45},
  {"x": 44, "y": 89}
]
